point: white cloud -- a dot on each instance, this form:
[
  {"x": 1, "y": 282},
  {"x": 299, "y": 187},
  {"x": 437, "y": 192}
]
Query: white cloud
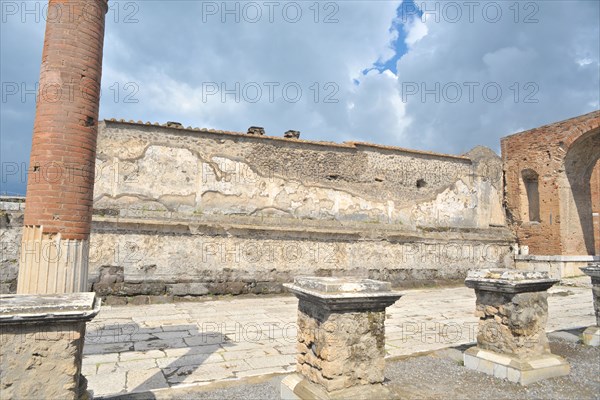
[
  {"x": 532, "y": 63},
  {"x": 415, "y": 30},
  {"x": 174, "y": 51},
  {"x": 175, "y": 67}
]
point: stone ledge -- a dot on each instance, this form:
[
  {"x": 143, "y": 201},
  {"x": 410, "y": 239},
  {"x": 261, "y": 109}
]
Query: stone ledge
[
  {"x": 344, "y": 294},
  {"x": 582, "y": 258},
  {"x": 342, "y": 285},
  {"x": 591, "y": 336},
  {"x": 509, "y": 281},
  {"x": 592, "y": 270},
  {"x": 24, "y": 308},
  {"x": 294, "y": 387},
  {"x": 518, "y": 370},
  {"x": 289, "y": 227}
]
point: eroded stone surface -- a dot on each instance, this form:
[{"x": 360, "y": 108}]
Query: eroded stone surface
[
  {"x": 24, "y": 305},
  {"x": 341, "y": 330},
  {"x": 41, "y": 361},
  {"x": 348, "y": 285},
  {"x": 512, "y": 323},
  {"x": 509, "y": 281},
  {"x": 340, "y": 350},
  {"x": 593, "y": 271}
]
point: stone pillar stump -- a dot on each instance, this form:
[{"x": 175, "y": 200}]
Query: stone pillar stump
[
  {"x": 512, "y": 307},
  {"x": 341, "y": 338},
  {"x": 591, "y": 336},
  {"x": 41, "y": 345}
]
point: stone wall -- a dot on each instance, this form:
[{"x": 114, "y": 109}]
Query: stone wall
[
  {"x": 41, "y": 361},
  {"x": 151, "y": 171},
  {"x": 549, "y": 186},
  {"x": 595, "y": 189},
  {"x": 181, "y": 212},
  {"x": 11, "y": 223}
]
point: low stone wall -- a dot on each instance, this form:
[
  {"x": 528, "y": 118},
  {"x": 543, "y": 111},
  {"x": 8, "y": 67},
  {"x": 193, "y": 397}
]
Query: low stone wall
[
  {"x": 557, "y": 267},
  {"x": 145, "y": 261}
]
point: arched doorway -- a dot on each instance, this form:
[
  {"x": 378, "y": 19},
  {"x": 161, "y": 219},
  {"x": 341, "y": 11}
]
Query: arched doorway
[{"x": 578, "y": 197}]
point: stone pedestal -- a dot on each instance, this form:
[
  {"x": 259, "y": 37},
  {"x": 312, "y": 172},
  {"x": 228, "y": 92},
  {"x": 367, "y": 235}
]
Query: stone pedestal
[
  {"x": 591, "y": 336},
  {"x": 512, "y": 307},
  {"x": 341, "y": 339},
  {"x": 41, "y": 345}
]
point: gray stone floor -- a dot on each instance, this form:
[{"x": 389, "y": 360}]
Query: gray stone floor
[{"x": 132, "y": 349}]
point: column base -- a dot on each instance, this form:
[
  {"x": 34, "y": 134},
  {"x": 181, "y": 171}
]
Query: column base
[
  {"x": 50, "y": 264},
  {"x": 591, "y": 336},
  {"x": 294, "y": 387},
  {"x": 518, "y": 370}
]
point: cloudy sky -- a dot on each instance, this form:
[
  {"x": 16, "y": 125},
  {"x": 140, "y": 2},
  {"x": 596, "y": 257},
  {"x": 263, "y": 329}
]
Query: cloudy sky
[{"x": 431, "y": 75}]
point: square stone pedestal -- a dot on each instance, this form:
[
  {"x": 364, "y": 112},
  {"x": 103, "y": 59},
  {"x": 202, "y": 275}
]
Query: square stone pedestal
[
  {"x": 512, "y": 307},
  {"x": 341, "y": 339},
  {"x": 591, "y": 336},
  {"x": 41, "y": 345}
]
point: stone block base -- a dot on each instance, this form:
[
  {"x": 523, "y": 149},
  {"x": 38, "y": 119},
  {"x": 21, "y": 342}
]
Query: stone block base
[
  {"x": 591, "y": 336},
  {"x": 557, "y": 267},
  {"x": 294, "y": 387},
  {"x": 518, "y": 370}
]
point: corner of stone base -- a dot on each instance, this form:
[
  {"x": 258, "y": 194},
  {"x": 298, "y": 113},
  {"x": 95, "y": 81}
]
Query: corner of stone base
[
  {"x": 518, "y": 370},
  {"x": 288, "y": 384},
  {"x": 295, "y": 387},
  {"x": 591, "y": 336}
]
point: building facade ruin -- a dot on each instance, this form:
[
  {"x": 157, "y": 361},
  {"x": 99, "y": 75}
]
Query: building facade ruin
[
  {"x": 552, "y": 176},
  {"x": 186, "y": 212},
  {"x": 181, "y": 211}
]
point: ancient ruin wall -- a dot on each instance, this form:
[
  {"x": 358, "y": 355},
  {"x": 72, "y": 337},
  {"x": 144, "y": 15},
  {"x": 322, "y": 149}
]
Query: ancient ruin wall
[
  {"x": 152, "y": 171},
  {"x": 559, "y": 160},
  {"x": 187, "y": 212}
]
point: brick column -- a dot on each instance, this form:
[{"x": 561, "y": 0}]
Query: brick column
[{"x": 54, "y": 253}]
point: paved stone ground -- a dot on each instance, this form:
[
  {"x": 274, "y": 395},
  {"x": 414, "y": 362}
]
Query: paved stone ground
[
  {"x": 437, "y": 375},
  {"x": 133, "y": 349}
]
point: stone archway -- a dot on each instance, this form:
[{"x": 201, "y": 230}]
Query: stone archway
[
  {"x": 576, "y": 200},
  {"x": 557, "y": 168}
]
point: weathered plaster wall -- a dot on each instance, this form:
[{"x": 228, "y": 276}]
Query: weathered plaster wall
[
  {"x": 187, "y": 212},
  {"x": 166, "y": 172}
]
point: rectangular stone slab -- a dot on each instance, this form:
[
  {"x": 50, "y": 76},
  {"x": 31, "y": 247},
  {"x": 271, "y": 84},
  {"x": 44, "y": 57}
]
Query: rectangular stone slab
[
  {"x": 509, "y": 281},
  {"x": 342, "y": 285},
  {"x": 518, "y": 370},
  {"x": 20, "y": 307},
  {"x": 592, "y": 270}
]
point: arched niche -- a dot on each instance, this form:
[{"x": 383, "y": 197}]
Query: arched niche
[
  {"x": 530, "y": 199},
  {"x": 577, "y": 226}
]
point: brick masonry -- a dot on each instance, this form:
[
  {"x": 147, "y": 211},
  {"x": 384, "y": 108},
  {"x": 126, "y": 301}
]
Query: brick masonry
[
  {"x": 595, "y": 187},
  {"x": 564, "y": 158},
  {"x": 60, "y": 182},
  {"x": 61, "y": 176}
]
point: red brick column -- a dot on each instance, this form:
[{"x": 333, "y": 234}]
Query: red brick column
[{"x": 61, "y": 176}]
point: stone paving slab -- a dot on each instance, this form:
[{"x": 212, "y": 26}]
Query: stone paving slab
[{"x": 138, "y": 348}]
